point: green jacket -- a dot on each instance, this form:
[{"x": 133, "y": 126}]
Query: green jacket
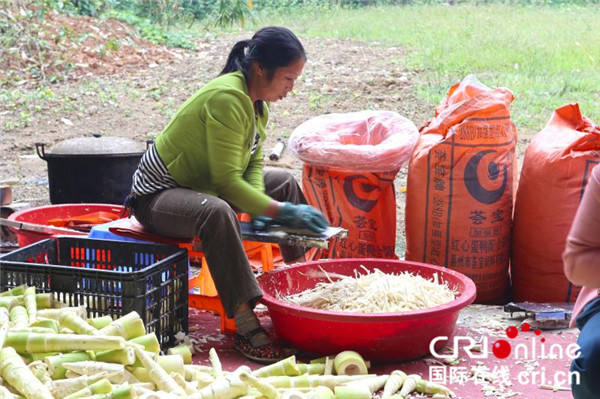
[{"x": 206, "y": 146}]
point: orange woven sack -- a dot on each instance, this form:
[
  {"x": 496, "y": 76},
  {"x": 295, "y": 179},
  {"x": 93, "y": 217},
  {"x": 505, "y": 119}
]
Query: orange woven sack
[
  {"x": 460, "y": 187},
  {"x": 350, "y": 161},
  {"x": 359, "y": 202},
  {"x": 556, "y": 167}
]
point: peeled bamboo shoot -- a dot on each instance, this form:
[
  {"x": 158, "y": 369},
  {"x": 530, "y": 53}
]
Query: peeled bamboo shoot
[{"x": 14, "y": 370}]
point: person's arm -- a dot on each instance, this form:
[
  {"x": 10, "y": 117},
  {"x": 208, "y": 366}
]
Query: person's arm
[
  {"x": 254, "y": 171},
  {"x": 582, "y": 254},
  {"x": 227, "y": 124}
]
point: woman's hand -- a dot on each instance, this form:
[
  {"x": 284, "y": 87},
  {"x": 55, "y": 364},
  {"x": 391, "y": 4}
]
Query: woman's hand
[{"x": 301, "y": 216}]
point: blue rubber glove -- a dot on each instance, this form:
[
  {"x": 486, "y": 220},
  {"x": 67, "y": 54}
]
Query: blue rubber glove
[
  {"x": 301, "y": 216},
  {"x": 261, "y": 223}
]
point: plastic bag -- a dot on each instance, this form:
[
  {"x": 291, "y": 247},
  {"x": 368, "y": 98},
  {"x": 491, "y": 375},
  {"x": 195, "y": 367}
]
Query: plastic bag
[{"x": 365, "y": 141}]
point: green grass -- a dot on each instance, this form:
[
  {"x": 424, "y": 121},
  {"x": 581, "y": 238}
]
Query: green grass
[{"x": 548, "y": 56}]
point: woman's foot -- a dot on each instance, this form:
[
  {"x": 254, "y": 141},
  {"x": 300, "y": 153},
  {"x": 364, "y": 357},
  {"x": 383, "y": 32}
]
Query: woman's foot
[
  {"x": 252, "y": 341},
  {"x": 257, "y": 346}
]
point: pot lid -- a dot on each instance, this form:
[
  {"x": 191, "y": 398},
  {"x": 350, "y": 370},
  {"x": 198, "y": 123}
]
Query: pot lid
[{"x": 97, "y": 145}]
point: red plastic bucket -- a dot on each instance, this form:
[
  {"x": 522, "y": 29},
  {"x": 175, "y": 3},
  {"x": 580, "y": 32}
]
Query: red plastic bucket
[
  {"x": 382, "y": 337},
  {"x": 44, "y": 214}
]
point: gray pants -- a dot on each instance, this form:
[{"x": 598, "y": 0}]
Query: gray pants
[{"x": 184, "y": 213}]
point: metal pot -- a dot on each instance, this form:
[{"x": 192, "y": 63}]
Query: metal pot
[{"x": 97, "y": 169}]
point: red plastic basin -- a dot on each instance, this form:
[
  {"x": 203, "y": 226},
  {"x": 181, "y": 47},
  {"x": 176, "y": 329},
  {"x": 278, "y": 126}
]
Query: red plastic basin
[
  {"x": 43, "y": 214},
  {"x": 381, "y": 337}
]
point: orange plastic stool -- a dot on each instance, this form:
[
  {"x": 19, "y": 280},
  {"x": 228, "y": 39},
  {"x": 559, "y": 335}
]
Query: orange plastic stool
[{"x": 207, "y": 297}]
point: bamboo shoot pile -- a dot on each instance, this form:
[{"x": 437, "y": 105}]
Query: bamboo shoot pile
[
  {"x": 373, "y": 292},
  {"x": 72, "y": 357}
]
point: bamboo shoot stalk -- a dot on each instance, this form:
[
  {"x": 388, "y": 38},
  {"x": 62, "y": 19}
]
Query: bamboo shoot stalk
[
  {"x": 25, "y": 342},
  {"x": 65, "y": 387},
  {"x": 19, "y": 317},
  {"x": 148, "y": 341},
  {"x": 427, "y": 387},
  {"x": 75, "y": 323},
  {"x": 201, "y": 379},
  {"x": 266, "y": 389},
  {"x": 40, "y": 370},
  {"x": 349, "y": 363},
  {"x": 8, "y": 302},
  {"x": 55, "y": 362},
  {"x": 39, "y": 330},
  {"x": 100, "y": 322},
  {"x": 329, "y": 381},
  {"x": 158, "y": 375},
  {"x": 183, "y": 351},
  {"x": 122, "y": 392},
  {"x": 171, "y": 364},
  {"x": 44, "y": 300},
  {"x": 4, "y": 316},
  {"x": 285, "y": 366},
  {"x": 189, "y": 388},
  {"x": 373, "y": 383},
  {"x": 3, "y": 333},
  {"x": 410, "y": 385},
  {"x": 229, "y": 386},
  {"x": 316, "y": 368},
  {"x": 393, "y": 383},
  {"x": 15, "y": 291},
  {"x": 328, "y": 370},
  {"x": 46, "y": 323},
  {"x": 352, "y": 392},
  {"x": 6, "y": 394},
  {"x": 215, "y": 363},
  {"x": 55, "y": 312},
  {"x": 116, "y": 372},
  {"x": 30, "y": 303},
  {"x": 293, "y": 394},
  {"x": 321, "y": 360},
  {"x": 141, "y": 373},
  {"x": 321, "y": 393},
  {"x": 14, "y": 370},
  {"x": 98, "y": 387},
  {"x": 129, "y": 326},
  {"x": 125, "y": 356}
]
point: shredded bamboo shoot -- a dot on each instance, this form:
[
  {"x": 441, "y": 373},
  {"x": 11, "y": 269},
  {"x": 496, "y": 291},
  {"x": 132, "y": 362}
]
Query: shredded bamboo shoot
[{"x": 374, "y": 292}]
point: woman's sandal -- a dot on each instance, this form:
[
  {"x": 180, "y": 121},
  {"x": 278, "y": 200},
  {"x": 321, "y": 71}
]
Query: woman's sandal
[{"x": 266, "y": 354}]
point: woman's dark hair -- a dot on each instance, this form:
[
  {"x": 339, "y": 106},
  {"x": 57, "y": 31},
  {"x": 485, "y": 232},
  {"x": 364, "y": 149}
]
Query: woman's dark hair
[{"x": 271, "y": 47}]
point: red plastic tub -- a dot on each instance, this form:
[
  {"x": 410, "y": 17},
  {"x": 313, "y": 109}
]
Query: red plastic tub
[
  {"x": 49, "y": 215},
  {"x": 381, "y": 337}
]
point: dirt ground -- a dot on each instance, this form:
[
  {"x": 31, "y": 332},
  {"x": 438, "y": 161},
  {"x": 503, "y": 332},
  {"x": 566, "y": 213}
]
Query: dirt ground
[{"x": 133, "y": 91}]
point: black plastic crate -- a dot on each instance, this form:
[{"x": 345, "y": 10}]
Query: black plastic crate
[{"x": 109, "y": 277}]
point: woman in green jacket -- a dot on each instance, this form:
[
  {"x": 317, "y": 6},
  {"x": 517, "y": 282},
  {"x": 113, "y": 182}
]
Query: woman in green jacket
[{"x": 208, "y": 163}]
